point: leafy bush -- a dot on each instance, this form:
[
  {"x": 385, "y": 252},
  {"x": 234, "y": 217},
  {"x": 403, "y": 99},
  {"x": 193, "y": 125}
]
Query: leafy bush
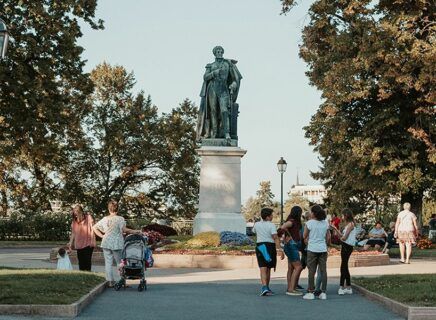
[
  {"x": 424, "y": 243},
  {"x": 230, "y": 238},
  {"x": 153, "y": 237},
  {"x": 163, "y": 230},
  {"x": 40, "y": 226},
  {"x": 205, "y": 239}
]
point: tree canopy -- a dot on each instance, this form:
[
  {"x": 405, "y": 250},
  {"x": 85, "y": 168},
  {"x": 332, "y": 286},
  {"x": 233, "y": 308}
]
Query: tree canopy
[
  {"x": 78, "y": 137},
  {"x": 374, "y": 62},
  {"x": 264, "y": 198},
  {"x": 42, "y": 90}
]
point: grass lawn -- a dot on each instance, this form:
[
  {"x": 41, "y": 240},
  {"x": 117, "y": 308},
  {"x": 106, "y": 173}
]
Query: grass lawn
[
  {"x": 411, "y": 289},
  {"x": 416, "y": 253},
  {"x": 45, "y": 286}
]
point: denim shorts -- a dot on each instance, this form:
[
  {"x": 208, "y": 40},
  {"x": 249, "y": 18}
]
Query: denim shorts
[{"x": 291, "y": 251}]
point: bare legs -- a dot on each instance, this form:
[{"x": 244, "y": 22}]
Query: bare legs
[
  {"x": 265, "y": 276},
  {"x": 294, "y": 270},
  {"x": 402, "y": 244},
  {"x": 408, "y": 251}
]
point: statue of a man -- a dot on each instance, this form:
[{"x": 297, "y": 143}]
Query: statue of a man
[{"x": 218, "y": 96}]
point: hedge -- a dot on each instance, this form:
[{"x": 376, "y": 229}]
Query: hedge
[{"x": 37, "y": 226}]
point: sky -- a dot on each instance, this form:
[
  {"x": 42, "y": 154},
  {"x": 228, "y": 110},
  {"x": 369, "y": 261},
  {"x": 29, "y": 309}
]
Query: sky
[{"x": 167, "y": 44}]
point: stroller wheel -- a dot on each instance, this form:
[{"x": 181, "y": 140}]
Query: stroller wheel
[
  {"x": 117, "y": 286},
  {"x": 140, "y": 287},
  {"x": 145, "y": 284}
]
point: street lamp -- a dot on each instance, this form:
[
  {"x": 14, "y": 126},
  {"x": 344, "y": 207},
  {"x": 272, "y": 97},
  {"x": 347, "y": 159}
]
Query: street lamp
[
  {"x": 4, "y": 39},
  {"x": 281, "y": 165}
]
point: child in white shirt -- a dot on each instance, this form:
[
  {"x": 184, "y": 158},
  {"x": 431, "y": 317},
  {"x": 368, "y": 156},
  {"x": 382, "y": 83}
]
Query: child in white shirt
[{"x": 64, "y": 262}]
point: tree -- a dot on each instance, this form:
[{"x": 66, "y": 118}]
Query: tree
[
  {"x": 132, "y": 153},
  {"x": 374, "y": 64},
  {"x": 296, "y": 200},
  {"x": 42, "y": 90},
  {"x": 264, "y": 198}
]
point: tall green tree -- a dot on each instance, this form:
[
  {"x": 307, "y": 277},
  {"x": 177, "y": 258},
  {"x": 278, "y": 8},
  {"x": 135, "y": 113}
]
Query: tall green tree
[
  {"x": 264, "y": 198},
  {"x": 374, "y": 62},
  {"x": 42, "y": 93},
  {"x": 133, "y": 153}
]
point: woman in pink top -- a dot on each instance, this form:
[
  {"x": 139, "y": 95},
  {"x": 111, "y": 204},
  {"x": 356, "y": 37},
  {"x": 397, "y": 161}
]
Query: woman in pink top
[
  {"x": 406, "y": 231},
  {"x": 82, "y": 237}
]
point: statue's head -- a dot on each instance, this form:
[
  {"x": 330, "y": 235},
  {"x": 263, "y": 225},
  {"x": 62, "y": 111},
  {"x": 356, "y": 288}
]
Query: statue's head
[{"x": 218, "y": 51}]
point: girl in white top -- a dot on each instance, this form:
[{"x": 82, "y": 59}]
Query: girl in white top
[
  {"x": 348, "y": 238},
  {"x": 111, "y": 229},
  {"x": 406, "y": 231}
]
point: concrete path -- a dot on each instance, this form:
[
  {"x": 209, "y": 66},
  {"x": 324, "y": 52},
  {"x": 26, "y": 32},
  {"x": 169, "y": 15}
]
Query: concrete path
[{"x": 222, "y": 294}]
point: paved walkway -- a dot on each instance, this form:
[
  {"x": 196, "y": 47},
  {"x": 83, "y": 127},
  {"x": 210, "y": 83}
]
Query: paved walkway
[{"x": 221, "y": 294}]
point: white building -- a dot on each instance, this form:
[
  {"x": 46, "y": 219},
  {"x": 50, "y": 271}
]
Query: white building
[{"x": 313, "y": 193}]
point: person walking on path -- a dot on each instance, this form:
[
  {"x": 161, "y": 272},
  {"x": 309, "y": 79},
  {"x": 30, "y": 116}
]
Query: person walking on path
[
  {"x": 292, "y": 247},
  {"x": 267, "y": 245},
  {"x": 348, "y": 241},
  {"x": 111, "y": 229},
  {"x": 406, "y": 231},
  {"x": 82, "y": 237},
  {"x": 317, "y": 237}
]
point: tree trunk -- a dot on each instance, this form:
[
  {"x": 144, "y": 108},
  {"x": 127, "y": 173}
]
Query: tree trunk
[
  {"x": 415, "y": 200},
  {"x": 4, "y": 203}
]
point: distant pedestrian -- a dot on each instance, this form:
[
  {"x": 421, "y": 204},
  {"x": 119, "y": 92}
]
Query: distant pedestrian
[
  {"x": 111, "y": 229},
  {"x": 348, "y": 239},
  {"x": 432, "y": 222},
  {"x": 390, "y": 240},
  {"x": 82, "y": 237},
  {"x": 406, "y": 231},
  {"x": 317, "y": 237},
  {"x": 292, "y": 247},
  {"x": 267, "y": 246}
]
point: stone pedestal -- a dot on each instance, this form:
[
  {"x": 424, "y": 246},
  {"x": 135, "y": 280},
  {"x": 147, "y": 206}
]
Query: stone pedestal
[{"x": 220, "y": 190}]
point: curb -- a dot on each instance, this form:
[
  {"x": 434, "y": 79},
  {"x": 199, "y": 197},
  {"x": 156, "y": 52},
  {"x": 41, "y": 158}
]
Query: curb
[
  {"x": 62, "y": 310},
  {"x": 405, "y": 311},
  {"x": 223, "y": 261}
]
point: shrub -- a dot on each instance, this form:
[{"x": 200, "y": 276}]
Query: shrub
[
  {"x": 41, "y": 225},
  {"x": 153, "y": 237},
  {"x": 205, "y": 239},
  {"x": 424, "y": 243},
  {"x": 235, "y": 239},
  {"x": 163, "y": 230}
]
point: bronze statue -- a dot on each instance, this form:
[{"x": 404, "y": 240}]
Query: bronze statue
[{"x": 217, "y": 118}]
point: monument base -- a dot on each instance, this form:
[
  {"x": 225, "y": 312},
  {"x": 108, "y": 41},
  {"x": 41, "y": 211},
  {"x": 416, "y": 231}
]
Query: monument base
[
  {"x": 219, "y": 207},
  {"x": 218, "y": 222}
]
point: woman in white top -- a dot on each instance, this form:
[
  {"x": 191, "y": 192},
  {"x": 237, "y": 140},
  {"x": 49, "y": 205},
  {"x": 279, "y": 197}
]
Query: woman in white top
[
  {"x": 406, "y": 231},
  {"x": 348, "y": 241},
  {"x": 111, "y": 229}
]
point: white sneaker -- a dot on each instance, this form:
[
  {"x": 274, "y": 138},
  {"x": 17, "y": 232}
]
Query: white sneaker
[
  {"x": 348, "y": 291},
  {"x": 309, "y": 296},
  {"x": 341, "y": 291},
  {"x": 322, "y": 296}
]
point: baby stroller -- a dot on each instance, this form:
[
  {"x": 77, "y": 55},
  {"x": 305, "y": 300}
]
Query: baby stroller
[{"x": 132, "y": 262}]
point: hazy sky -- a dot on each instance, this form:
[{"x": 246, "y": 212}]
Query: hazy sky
[{"x": 168, "y": 43}]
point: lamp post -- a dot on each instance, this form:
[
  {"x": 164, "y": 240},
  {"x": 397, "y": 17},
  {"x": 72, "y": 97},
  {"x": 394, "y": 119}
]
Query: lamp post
[
  {"x": 4, "y": 39},
  {"x": 281, "y": 165}
]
